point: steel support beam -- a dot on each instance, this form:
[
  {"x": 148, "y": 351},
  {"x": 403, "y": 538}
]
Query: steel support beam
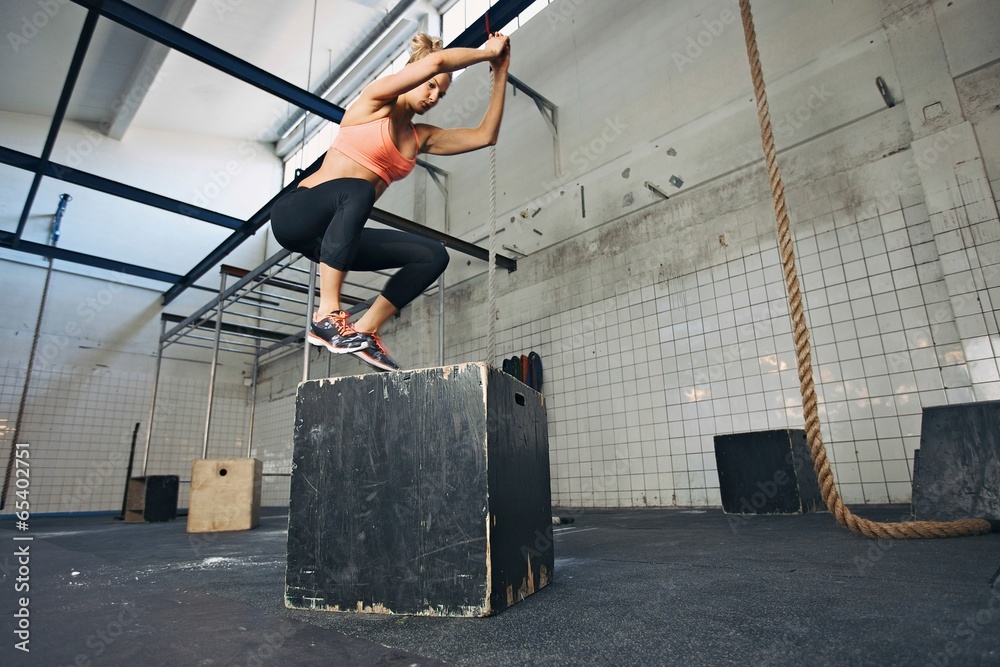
[
  {"x": 83, "y": 43},
  {"x": 100, "y": 184},
  {"x": 227, "y": 327},
  {"x": 396, "y": 222},
  {"x": 500, "y": 14},
  {"x": 7, "y": 239},
  {"x": 165, "y": 33}
]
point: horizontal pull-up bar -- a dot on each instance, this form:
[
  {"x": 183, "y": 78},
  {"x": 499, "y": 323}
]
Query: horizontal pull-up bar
[
  {"x": 256, "y": 332},
  {"x": 9, "y": 239},
  {"x": 281, "y": 283},
  {"x": 14, "y": 158},
  {"x": 393, "y": 220}
]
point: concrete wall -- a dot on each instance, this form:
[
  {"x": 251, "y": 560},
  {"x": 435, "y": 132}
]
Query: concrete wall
[{"x": 662, "y": 323}]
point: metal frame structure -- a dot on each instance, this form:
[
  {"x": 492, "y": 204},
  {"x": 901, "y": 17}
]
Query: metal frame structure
[
  {"x": 261, "y": 315},
  {"x": 271, "y": 290},
  {"x": 165, "y": 33},
  {"x": 267, "y": 336}
]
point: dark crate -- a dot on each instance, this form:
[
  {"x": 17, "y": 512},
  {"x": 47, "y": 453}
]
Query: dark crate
[
  {"x": 422, "y": 492},
  {"x": 152, "y": 498},
  {"x": 957, "y": 475},
  {"x": 767, "y": 472}
]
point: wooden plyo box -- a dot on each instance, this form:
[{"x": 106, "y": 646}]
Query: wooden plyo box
[
  {"x": 767, "y": 472},
  {"x": 225, "y": 495},
  {"x": 957, "y": 473},
  {"x": 421, "y": 492}
]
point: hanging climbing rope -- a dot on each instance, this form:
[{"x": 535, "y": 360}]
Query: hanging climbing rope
[
  {"x": 64, "y": 199},
  {"x": 831, "y": 497},
  {"x": 491, "y": 336},
  {"x": 309, "y": 75}
]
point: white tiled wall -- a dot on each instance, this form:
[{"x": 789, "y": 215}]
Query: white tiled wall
[
  {"x": 179, "y": 426},
  {"x": 79, "y": 424},
  {"x": 78, "y": 428},
  {"x": 643, "y": 368},
  {"x": 274, "y": 424}
]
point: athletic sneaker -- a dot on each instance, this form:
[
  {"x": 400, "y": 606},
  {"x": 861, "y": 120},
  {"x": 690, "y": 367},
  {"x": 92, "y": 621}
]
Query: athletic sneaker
[
  {"x": 335, "y": 333},
  {"x": 375, "y": 353}
]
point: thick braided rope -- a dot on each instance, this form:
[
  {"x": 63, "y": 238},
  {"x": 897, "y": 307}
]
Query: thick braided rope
[
  {"x": 491, "y": 338},
  {"x": 832, "y": 499}
]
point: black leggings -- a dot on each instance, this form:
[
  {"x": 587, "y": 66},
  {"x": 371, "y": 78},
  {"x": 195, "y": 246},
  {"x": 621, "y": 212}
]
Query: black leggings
[{"x": 326, "y": 223}]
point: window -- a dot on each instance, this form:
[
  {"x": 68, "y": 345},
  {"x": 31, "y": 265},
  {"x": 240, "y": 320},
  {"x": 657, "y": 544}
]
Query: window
[{"x": 458, "y": 17}]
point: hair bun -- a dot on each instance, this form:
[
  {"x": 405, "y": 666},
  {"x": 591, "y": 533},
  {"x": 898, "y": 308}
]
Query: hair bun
[{"x": 422, "y": 45}]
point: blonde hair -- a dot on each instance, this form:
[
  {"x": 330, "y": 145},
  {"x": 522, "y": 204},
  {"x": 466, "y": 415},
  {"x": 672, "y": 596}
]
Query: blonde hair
[{"x": 422, "y": 45}]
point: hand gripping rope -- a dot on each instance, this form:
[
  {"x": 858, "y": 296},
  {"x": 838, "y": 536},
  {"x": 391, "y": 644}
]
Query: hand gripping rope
[{"x": 845, "y": 517}]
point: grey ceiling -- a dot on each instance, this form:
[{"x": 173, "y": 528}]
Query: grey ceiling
[{"x": 128, "y": 79}]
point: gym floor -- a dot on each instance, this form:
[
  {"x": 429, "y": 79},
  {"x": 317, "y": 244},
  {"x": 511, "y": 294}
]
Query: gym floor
[{"x": 631, "y": 587}]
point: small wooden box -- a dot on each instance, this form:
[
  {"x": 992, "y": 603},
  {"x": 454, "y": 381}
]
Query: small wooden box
[
  {"x": 225, "y": 495},
  {"x": 421, "y": 492}
]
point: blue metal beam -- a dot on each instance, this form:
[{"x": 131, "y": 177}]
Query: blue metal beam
[
  {"x": 82, "y": 44},
  {"x": 44, "y": 250},
  {"x": 402, "y": 224},
  {"x": 500, "y": 14},
  {"x": 100, "y": 184},
  {"x": 166, "y": 33}
]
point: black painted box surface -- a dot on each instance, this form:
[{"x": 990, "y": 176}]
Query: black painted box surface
[
  {"x": 957, "y": 475},
  {"x": 152, "y": 498},
  {"x": 420, "y": 492},
  {"x": 767, "y": 472}
]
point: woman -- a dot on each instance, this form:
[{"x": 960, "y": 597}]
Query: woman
[{"x": 378, "y": 143}]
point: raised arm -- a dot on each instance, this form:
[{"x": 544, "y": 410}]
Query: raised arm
[{"x": 452, "y": 141}]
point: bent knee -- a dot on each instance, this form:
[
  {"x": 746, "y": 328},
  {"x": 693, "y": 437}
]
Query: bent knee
[{"x": 440, "y": 256}]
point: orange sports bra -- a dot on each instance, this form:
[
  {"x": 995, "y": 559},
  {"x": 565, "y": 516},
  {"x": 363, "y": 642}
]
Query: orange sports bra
[{"x": 370, "y": 145}]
